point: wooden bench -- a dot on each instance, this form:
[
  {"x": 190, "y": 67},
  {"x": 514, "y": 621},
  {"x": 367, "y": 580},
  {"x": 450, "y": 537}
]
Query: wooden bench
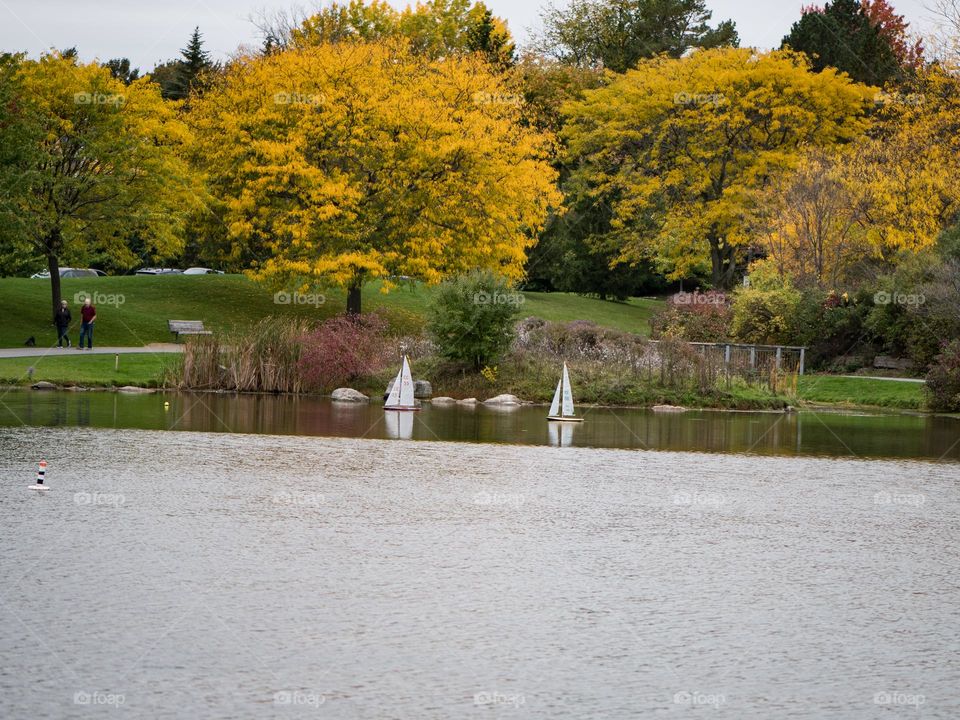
[{"x": 187, "y": 327}]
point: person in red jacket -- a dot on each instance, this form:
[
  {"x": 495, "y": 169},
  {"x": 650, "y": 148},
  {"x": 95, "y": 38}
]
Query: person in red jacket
[{"x": 88, "y": 313}]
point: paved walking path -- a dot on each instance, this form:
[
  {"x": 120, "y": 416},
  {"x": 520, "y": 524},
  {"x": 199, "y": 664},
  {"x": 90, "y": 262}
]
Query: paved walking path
[{"x": 70, "y": 352}]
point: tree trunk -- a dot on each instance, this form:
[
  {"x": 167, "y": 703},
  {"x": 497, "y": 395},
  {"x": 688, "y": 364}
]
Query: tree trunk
[
  {"x": 723, "y": 263},
  {"x": 53, "y": 264},
  {"x": 353, "y": 298}
]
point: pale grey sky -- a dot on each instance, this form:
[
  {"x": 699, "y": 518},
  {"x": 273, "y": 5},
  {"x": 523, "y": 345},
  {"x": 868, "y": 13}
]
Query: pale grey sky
[{"x": 148, "y": 32}]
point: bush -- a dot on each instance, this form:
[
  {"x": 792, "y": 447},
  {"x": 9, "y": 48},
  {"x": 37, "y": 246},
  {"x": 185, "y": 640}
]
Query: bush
[
  {"x": 345, "y": 348},
  {"x": 693, "y": 317},
  {"x": 767, "y": 312},
  {"x": 471, "y": 318},
  {"x": 943, "y": 379}
]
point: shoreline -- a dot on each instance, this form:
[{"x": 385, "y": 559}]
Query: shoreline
[{"x": 791, "y": 405}]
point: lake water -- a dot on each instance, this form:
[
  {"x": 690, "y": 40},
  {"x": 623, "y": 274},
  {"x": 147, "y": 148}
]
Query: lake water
[
  {"x": 172, "y": 574},
  {"x": 823, "y": 433}
]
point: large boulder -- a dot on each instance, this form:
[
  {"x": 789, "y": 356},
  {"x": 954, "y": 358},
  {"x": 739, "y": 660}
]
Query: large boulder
[
  {"x": 443, "y": 400},
  {"x": 467, "y": 401},
  {"x": 668, "y": 409},
  {"x": 422, "y": 389},
  {"x": 43, "y": 385},
  {"x": 505, "y": 399},
  {"x": 348, "y": 395},
  {"x": 133, "y": 389}
]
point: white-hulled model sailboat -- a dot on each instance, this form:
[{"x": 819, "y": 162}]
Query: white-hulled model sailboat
[
  {"x": 561, "y": 409},
  {"x": 401, "y": 394}
]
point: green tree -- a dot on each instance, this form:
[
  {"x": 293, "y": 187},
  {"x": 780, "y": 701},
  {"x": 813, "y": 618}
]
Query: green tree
[
  {"x": 471, "y": 318},
  {"x": 121, "y": 70},
  {"x": 841, "y": 35},
  {"x": 617, "y": 34},
  {"x": 192, "y": 69},
  {"x": 98, "y": 165}
]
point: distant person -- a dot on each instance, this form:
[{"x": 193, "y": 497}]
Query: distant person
[
  {"x": 62, "y": 319},
  {"x": 88, "y": 314}
]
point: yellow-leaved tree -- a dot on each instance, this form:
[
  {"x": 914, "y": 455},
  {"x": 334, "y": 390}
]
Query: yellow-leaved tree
[
  {"x": 908, "y": 170},
  {"x": 681, "y": 152},
  {"x": 340, "y": 163}
]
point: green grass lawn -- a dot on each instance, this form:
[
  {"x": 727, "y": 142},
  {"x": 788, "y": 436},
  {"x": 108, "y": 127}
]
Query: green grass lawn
[
  {"x": 861, "y": 391},
  {"x": 133, "y": 310},
  {"x": 70, "y": 367}
]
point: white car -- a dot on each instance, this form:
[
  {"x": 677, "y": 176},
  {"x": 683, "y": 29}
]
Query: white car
[
  {"x": 202, "y": 271},
  {"x": 69, "y": 272}
]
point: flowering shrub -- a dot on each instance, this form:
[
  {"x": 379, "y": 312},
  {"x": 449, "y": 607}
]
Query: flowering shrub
[{"x": 345, "y": 348}]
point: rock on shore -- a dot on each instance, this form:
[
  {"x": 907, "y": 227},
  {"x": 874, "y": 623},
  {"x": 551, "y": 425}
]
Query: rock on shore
[
  {"x": 505, "y": 399},
  {"x": 348, "y": 395},
  {"x": 668, "y": 409}
]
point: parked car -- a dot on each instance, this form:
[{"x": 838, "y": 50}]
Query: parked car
[
  {"x": 202, "y": 271},
  {"x": 158, "y": 271},
  {"x": 69, "y": 272}
]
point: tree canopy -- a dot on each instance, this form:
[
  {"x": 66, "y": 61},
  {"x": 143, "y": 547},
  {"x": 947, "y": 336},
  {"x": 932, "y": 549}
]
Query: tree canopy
[
  {"x": 339, "y": 163},
  {"x": 617, "y": 34},
  {"x": 97, "y": 164},
  {"x": 680, "y": 151}
]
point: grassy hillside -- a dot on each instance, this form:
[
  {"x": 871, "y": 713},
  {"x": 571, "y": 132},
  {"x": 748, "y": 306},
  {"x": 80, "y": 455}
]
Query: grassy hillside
[
  {"x": 134, "y": 310},
  {"x": 835, "y": 389}
]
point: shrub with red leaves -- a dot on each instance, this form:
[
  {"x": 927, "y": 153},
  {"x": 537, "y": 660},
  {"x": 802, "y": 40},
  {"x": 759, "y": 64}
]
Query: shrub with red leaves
[{"x": 343, "y": 349}]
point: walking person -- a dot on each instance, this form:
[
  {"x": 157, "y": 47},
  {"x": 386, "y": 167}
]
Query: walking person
[
  {"x": 62, "y": 318},
  {"x": 88, "y": 314}
]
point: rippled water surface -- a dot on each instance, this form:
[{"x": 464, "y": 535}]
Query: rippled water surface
[{"x": 215, "y": 575}]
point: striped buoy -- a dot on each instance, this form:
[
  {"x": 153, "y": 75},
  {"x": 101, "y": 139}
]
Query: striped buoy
[{"x": 41, "y": 474}]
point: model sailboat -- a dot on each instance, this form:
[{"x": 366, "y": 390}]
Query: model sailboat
[
  {"x": 561, "y": 409},
  {"x": 401, "y": 394}
]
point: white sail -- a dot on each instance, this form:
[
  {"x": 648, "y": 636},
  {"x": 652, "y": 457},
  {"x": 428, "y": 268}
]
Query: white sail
[
  {"x": 567, "y": 394},
  {"x": 401, "y": 394},
  {"x": 393, "y": 399},
  {"x": 555, "y": 405}
]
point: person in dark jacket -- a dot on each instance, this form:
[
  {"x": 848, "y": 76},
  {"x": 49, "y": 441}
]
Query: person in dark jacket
[{"x": 62, "y": 318}]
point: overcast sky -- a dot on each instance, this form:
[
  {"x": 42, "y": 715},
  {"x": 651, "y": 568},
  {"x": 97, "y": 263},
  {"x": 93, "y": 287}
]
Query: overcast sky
[{"x": 147, "y": 32}]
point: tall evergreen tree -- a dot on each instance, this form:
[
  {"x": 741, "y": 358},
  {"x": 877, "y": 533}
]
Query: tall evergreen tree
[
  {"x": 841, "y": 35},
  {"x": 194, "y": 64}
]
